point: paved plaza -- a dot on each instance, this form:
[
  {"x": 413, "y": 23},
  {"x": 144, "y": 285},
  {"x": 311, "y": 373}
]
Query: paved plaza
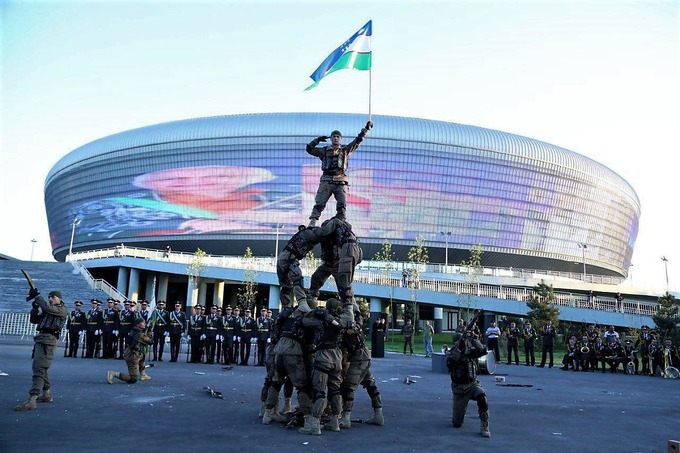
[{"x": 560, "y": 411}]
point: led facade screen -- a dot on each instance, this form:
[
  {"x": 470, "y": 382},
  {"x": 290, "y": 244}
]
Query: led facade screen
[{"x": 410, "y": 178}]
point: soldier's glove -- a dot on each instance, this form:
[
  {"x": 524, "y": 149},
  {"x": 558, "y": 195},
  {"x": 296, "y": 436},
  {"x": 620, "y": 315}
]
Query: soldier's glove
[
  {"x": 166, "y": 334},
  {"x": 238, "y": 338},
  {"x": 323, "y": 138},
  {"x": 369, "y": 125},
  {"x": 202, "y": 337},
  {"x": 32, "y": 294},
  {"x": 81, "y": 333},
  {"x": 115, "y": 333}
]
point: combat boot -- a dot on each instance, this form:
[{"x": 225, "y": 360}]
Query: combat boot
[
  {"x": 333, "y": 424},
  {"x": 267, "y": 417},
  {"x": 377, "y": 418},
  {"x": 110, "y": 375},
  {"x": 305, "y": 428},
  {"x": 144, "y": 376},
  {"x": 484, "y": 423},
  {"x": 30, "y": 404},
  {"x": 287, "y": 406},
  {"x": 345, "y": 421},
  {"x": 263, "y": 407},
  {"x": 276, "y": 415},
  {"x": 46, "y": 397}
]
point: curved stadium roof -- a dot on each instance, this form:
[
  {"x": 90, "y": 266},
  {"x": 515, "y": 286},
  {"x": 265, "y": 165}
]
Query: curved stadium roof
[{"x": 434, "y": 149}]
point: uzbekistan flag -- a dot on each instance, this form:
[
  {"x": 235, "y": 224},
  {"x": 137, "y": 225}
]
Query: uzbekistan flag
[{"x": 355, "y": 53}]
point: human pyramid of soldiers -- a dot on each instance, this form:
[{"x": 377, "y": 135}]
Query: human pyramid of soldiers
[
  {"x": 317, "y": 351},
  {"x": 320, "y": 351},
  {"x": 647, "y": 356}
]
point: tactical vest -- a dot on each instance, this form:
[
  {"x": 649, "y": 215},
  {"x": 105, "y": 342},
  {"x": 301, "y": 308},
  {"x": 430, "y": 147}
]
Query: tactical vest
[
  {"x": 330, "y": 252},
  {"x": 327, "y": 336},
  {"x": 132, "y": 343},
  {"x": 334, "y": 161},
  {"x": 51, "y": 324},
  {"x": 463, "y": 370},
  {"x": 298, "y": 245}
]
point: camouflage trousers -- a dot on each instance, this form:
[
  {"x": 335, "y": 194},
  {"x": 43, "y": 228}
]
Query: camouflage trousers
[{"x": 43, "y": 354}]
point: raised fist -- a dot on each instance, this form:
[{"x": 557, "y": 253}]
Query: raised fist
[{"x": 369, "y": 125}]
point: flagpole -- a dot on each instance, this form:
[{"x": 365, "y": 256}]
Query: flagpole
[{"x": 370, "y": 83}]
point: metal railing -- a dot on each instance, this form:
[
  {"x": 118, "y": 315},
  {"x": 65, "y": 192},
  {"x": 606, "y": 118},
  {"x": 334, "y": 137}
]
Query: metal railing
[
  {"x": 374, "y": 275},
  {"x": 97, "y": 283}
]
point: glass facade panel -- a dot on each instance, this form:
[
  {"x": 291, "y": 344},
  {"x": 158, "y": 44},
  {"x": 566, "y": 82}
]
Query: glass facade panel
[{"x": 239, "y": 176}]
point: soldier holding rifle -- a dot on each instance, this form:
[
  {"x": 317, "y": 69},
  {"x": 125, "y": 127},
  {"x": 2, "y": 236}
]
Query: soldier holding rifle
[
  {"x": 50, "y": 316},
  {"x": 461, "y": 361}
]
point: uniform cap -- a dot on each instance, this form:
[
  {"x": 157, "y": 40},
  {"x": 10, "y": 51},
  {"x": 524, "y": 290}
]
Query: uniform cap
[{"x": 78, "y": 303}]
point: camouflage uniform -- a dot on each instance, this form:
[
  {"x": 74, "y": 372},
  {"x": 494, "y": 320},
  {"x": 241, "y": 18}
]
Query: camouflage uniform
[
  {"x": 134, "y": 356},
  {"x": 462, "y": 365},
  {"x": 334, "y": 162},
  {"x": 50, "y": 320}
]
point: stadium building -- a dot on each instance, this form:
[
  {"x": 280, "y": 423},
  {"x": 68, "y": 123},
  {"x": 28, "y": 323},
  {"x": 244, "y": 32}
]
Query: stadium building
[{"x": 230, "y": 182}]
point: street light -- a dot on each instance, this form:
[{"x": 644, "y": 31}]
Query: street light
[
  {"x": 278, "y": 227},
  {"x": 33, "y": 241},
  {"x": 583, "y": 247},
  {"x": 665, "y": 265},
  {"x": 76, "y": 221},
  {"x": 446, "y": 235}
]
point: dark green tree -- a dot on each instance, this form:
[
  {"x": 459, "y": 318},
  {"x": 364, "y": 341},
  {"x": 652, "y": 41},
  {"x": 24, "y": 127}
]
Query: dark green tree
[
  {"x": 472, "y": 278},
  {"x": 541, "y": 306},
  {"x": 667, "y": 318}
]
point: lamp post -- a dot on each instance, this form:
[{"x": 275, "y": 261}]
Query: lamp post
[
  {"x": 446, "y": 235},
  {"x": 76, "y": 222},
  {"x": 33, "y": 241},
  {"x": 583, "y": 247},
  {"x": 278, "y": 227},
  {"x": 665, "y": 265}
]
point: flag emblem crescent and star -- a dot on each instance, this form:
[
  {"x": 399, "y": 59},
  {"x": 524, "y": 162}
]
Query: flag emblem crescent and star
[{"x": 355, "y": 53}]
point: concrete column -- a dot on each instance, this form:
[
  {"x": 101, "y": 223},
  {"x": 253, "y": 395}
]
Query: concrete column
[
  {"x": 149, "y": 295},
  {"x": 133, "y": 286},
  {"x": 218, "y": 294},
  {"x": 438, "y": 319},
  {"x": 192, "y": 295},
  {"x": 163, "y": 280},
  {"x": 202, "y": 292},
  {"x": 274, "y": 303},
  {"x": 123, "y": 276},
  {"x": 375, "y": 306}
]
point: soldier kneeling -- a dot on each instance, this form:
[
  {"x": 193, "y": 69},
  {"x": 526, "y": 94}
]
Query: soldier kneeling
[
  {"x": 462, "y": 364},
  {"x": 134, "y": 355}
]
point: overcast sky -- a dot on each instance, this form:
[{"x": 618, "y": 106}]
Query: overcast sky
[{"x": 599, "y": 77}]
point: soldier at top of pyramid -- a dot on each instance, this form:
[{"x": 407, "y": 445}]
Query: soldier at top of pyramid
[{"x": 334, "y": 160}]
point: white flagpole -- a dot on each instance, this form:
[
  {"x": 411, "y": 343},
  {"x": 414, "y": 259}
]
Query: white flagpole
[{"x": 370, "y": 80}]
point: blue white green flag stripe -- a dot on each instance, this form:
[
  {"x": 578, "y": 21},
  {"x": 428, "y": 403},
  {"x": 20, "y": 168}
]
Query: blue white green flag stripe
[{"x": 355, "y": 53}]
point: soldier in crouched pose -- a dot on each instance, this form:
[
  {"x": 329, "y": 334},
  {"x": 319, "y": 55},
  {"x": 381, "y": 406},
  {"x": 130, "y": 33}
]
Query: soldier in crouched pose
[
  {"x": 134, "y": 354},
  {"x": 462, "y": 364}
]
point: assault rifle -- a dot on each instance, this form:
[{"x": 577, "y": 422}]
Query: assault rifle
[{"x": 470, "y": 328}]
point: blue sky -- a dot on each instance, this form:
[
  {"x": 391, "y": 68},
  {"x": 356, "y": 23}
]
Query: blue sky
[{"x": 599, "y": 77}]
